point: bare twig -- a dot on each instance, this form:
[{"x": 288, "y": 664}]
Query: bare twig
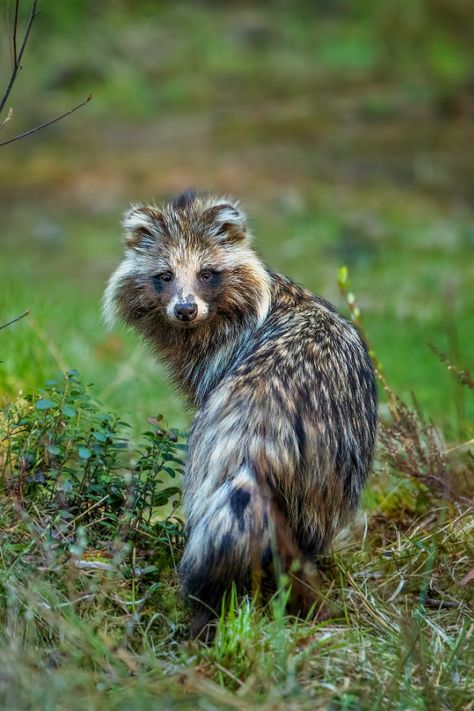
[
  {"x": 15, "y": 28},
  {"x": 5, "y": 325},
  {"x": 48, "y": 123},
  {"x": 441, "y": 604},
  {"x": 17, "y": 57}
]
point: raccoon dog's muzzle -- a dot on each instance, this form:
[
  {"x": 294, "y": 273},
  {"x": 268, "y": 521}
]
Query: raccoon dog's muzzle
[{"x": 186, "y": 311}]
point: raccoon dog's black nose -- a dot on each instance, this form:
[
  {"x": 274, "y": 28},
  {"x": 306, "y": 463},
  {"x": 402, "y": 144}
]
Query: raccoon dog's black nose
[{"x": 186, "y": 311}]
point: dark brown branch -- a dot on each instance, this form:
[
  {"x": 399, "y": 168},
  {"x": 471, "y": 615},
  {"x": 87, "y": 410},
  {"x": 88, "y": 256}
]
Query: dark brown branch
[
  {"x": 48, "y": 123},
  {"x": 441, "y": 604},
  {"x": 17, "y": 58},
  {"x": 18, "y": 318},
  {"x": 15, "y": 28}
]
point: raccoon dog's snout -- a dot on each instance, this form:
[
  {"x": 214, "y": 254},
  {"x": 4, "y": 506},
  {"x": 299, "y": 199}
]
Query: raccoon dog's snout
[{"x": 186, "y": 311}]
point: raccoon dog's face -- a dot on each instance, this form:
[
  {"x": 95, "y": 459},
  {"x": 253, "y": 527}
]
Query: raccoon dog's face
[{"x": 188, "y": 264}]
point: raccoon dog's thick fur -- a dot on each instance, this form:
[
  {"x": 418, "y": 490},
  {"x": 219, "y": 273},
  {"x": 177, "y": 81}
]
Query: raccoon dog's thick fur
[{"x": 283, "y": 386}]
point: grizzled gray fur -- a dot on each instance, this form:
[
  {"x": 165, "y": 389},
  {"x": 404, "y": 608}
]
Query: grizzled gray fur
[{"x": 283, "y": 386}]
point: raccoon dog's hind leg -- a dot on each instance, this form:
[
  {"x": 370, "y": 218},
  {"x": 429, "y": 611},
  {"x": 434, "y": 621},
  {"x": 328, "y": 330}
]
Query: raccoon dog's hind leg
[{"x": 229, "y": 544}]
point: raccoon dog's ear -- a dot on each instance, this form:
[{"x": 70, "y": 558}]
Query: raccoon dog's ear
[
  {"x": 226, "y": 222},
  {"x": 143, "y": 225}
]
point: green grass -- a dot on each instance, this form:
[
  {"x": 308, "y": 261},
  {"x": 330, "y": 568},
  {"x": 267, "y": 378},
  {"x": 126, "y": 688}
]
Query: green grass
[
  {"x": 345, "y": 129},
  {"x": 400, "y": 637}
]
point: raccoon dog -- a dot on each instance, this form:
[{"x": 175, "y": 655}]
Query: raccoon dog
[{"x": 283, "y": 386}]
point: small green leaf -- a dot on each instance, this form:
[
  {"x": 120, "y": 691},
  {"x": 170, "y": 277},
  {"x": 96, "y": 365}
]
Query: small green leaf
[
  {"x": 44, "y": 404},
  {"x": 99, "y": 436},
  {"x": 69, "y": 411},
  {"x": 84, "y": 452},
  {"x": 54, "y": 449},
  {"x": 168, "y": 492}
]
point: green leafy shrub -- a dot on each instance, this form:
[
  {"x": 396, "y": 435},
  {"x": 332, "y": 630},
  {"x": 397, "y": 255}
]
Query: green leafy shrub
[{"x": 73, "y": 460}]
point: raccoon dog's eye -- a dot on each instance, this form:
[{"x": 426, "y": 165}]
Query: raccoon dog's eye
[
  {"x": 209, "y": 275},
  {"x": 164, "y": 277},
  {"x": 160, "y": 281}
]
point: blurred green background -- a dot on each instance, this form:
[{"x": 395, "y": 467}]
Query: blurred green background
[{"x": 344, "y": 126}]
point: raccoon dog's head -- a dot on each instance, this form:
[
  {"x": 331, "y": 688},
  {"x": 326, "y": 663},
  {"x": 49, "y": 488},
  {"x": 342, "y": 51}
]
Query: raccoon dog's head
[{"x": 186, "y": 265}]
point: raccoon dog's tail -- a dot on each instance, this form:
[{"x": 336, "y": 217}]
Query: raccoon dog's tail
[
  {"x": 230, "y": 543},
  {"x": 240, "y": 538}
]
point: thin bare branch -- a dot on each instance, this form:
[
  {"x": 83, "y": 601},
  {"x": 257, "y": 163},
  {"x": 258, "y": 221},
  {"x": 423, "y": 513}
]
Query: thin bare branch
[
  {"x": 14, "y": 33},
  {"x": 5, "y": 325},
  {"x": 18, "y": 57},
  {"x": 48, "y": 123},
  {"x": 16, "y": 62}
]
